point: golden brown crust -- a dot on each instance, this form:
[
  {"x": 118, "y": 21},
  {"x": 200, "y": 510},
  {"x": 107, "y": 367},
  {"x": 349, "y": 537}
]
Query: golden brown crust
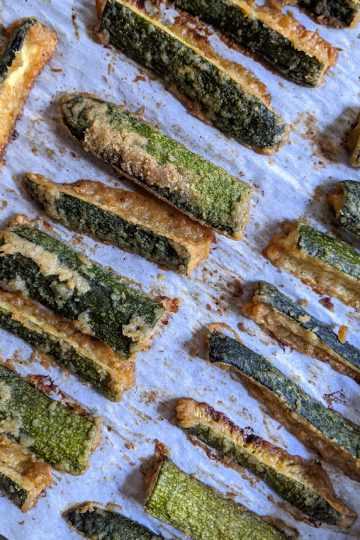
[{"x": 353, "y": 142}]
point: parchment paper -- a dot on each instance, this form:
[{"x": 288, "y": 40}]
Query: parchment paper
[{"x": 174, "y": 366}]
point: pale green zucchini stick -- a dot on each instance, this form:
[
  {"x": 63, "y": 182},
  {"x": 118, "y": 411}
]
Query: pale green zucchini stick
[
  {"x": 302, "y": 483},
  {"x": 30, "y": 47},
  {"x": 291, "y": 325},
  {"x": 346, "y": 203},
  {"x": 328, "y": 265},
  {"x": 101, "y": 303},
  {"x": 89, "y": 358},
  {"x": 222, "y": 92},
  {"x": 93, "y": 521},
  {"x": 338, "y": 13},
  {"x": 23, "y": 479},
  {"x": 353, "y": 143},
  {"x": 324, "y": 430},
  {"x": 52, "y": 431},
  {"x": 197, "y": 510},
  {"x": 142, "y": 153},
  {"x": 132, "y": 221},
  {"x": 279, "y": 39}
]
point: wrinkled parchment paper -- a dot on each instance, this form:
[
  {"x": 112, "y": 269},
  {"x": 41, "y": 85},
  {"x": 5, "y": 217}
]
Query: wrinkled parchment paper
[{"x": 174, "y": 367}]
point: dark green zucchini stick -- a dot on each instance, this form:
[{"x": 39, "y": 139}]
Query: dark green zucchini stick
[
  {"x": 302, "y": 483},
  {"x": 30, "y": 47},
  {"x": 279, "y": 39},
  {"x": 291, "y": 325},
  {"x": 56, "y": 337},
  {"x": 93, "y": 521},
  {"x": 353, "y": 143},
  {"x": 142, "y": 153},
  {"x": 22, "y": 478},
  {"x": 328, "y": 265},
  {"x": 197, "y": 510},
  {"x": 346, "y": 203},
  {"x": 222, "y": 92},
  {"x": 52, "y": 431},
  {"x": 338, "y": 13},
  {"x": 332, "y": 436},
  {"x": 101, "y": 303},
  {"x": 132, "y": 221}
]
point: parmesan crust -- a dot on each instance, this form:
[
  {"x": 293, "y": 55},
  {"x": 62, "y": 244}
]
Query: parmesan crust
[{"x": 353, "y": 142}]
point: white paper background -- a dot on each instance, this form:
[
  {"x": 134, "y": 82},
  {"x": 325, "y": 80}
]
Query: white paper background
[{"x": 174, "y": 367}]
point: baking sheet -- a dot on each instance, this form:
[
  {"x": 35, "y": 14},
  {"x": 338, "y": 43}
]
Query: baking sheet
[{"x": 174, "y": 367}]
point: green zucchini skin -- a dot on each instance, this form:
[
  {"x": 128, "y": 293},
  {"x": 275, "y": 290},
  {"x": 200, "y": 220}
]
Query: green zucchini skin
[
  {"x": 201, "y": 512},
  {"x": 340, "y": 13},
  {"x": 13, "y": 491},
  {"x": 53, "y": 432},
  {"x": 202, "y": 190},
  {"x": 340, "y": 432},
  {"x": 14, "y": 45},
  {"x": 349, "y": 215},
  {"x": 109, "y": 303},
  {"x": 96, "y": 523},
  {"x": 276, "y": 49},
  {"x": 227, "y": 104},
  {"x": 270, "y": 295}
]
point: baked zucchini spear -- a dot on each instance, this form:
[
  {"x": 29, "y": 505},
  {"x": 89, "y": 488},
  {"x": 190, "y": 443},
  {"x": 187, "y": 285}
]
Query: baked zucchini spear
[
  {"x": 346, "y": 202},
  {"x": 302, "y": 483},
  {"x": 101, "y": 303},
  {"x": 328, "y": 265},
  {"x": 142, "y": 153},
  {"x": 222, "y": 92},
  {"x": 197, "y": 510},
  {"x": 89, "y": 358},
  {"x": 22, "y": 478},
  {"x": 324, "y": 430},
  {"x": 132, "y": 221},
  {"x": 29, "y": 48},
  {"x": 291, "y": 325},
  {"x": 279, "y": 39},
  {"x": 93, "y": 521},
  {"x": 353, "y": 143},
  {"x": 338, "y": 13},
  {"x": 51, "y": 430}
]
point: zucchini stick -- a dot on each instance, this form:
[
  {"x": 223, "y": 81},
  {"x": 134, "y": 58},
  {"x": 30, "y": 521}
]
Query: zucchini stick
[
  {"x": 335, "y": 438},
  {"x": 291, "y": 325},
  {"x": 52, "y": 431},
  {"x": 100, "y": 303},
  {"x": 22, "y": 478},
  {"x": 30, "y": 47},
  {"x": 197, "y": 510},
  {"x": 222, "y": 92},
  {"x": 56, "y": 337},
  {"x": 346, "y": 204},
  {"x": 142, "y": 153},
  {"x": 328, "y": 265},
  {"x": 279, "y": 39},
  {"x": 338, "y": 13},
  {"x": 353, "y": 143},
  {"x": 302, "y": 483},
  {"x": 97, "y": 523},
  {"x": 132, "y": 221}
]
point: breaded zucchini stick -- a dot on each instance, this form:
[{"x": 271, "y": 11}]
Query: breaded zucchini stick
[
  {"x": 338, "y": 13},
  {"x": 353, "y": 143},
  {"x": 346, "y": 203},
  {"x": 132, "y": 221}
]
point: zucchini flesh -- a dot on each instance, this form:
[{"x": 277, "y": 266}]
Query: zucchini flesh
[
  {"x": 292, "y": 325},
  {"x": 97, "y": 523},
  {"x": 54, "y": 336},
  {"x": 53, "y": 432},
  {"x": 30, "y": 47},
  {"x": 22, "y": 478},
  {"x": 279, "y": 39},
  {"x": 233, "y": 101},
  {"x": 302, "y": 483},
  {"x": 346, "y": 203},
  {"x": 199, "y": 511},
  {"x": 338, "y": 13},
  {"x": 161, "y": 165},
  {"x": 99, "y": 302},
  {"x": 335, "y": 438},
  {"x": 131, "y": 221},
  {"x": 328, "y": 265},
  {"x": 353, "y": 144}
]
